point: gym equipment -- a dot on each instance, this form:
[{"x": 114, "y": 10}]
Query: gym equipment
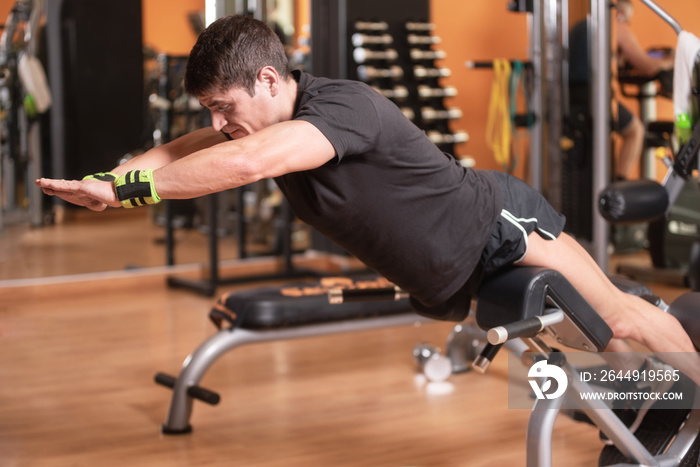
[
  {"x": 499, "y": 133},
  {"x": 517, "y": 307},
  {"x": 671, "y": 207},
  {"x": 578, "y": 200},
  {"x": 24, "y": 99},
  {"x": 597, "y": 148},
  {"x": 207, "y": 285},
  {"x": 276, "y": 313},
  {"x": 657, "y": 139},
  {"x": 673, "y": 239},
  {"x": 395, "y": 55},
  {"x": 674, "y": 229},
  {"x": 135, "y": 188},
  {"x": 433, "y": 364}
]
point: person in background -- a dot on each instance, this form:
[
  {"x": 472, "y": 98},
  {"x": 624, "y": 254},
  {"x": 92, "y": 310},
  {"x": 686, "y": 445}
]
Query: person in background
[{"x": 630, "y": 54}]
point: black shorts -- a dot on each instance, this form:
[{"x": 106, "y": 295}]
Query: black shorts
[
  {"x": 580, "y": 97},
  {"x": 524, "y": 211},
  {"x": 624, "y": 117}
]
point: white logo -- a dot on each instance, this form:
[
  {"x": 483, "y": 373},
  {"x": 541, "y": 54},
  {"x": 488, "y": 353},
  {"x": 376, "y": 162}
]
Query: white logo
[{"x": 542, "y": 369}]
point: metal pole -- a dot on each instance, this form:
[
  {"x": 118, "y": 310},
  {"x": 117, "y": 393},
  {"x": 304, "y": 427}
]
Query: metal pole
[
  {"x": 536, "y": 135},
  {"x": 552, "y": 21},
  {"x": 647, "y": 113},
  {"x": 600, "y": 111},
  {"x": 564, "y": 19},
  {"x": 664, "y": 15}
]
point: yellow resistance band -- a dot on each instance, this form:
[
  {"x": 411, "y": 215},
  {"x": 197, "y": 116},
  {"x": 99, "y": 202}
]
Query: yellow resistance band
[{"x": 498, "y": 129}]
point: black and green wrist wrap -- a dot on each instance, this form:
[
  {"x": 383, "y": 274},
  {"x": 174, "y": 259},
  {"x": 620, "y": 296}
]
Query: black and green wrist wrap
[
  {"x": 136, "y": 188},
  {"x": 102, "y": 177}
]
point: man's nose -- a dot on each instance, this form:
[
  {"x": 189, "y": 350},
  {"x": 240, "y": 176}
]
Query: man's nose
[{"x": 218, "y": 122}]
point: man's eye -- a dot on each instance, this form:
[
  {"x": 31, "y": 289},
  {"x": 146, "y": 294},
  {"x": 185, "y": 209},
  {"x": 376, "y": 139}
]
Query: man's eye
[{"x": 222, "y": 108}]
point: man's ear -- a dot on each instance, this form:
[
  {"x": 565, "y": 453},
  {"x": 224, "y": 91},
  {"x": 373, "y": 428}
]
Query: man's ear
[{"x": 269, "y": 79}]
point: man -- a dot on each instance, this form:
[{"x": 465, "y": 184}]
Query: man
[
  {"x": 631, "y": 54},
  {"x": 353, "y": 167}
]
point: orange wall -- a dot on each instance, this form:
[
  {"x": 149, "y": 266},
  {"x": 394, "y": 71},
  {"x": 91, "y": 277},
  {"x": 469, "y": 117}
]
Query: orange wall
[
  {"x": 483, "y": 30},
  {"x": 476, "y": 30},
  {"x": 166, "y": 27},
  {"x": 5, "y": 7}
]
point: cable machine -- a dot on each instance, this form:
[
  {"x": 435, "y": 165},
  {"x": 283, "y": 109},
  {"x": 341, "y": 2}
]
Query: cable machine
[
  {"x": 600, "y": 110},
  {"x": 546, "y": 66},
  {"x": 24, "y": 97},
  {"x": 600, "y": 55},
  {"x": 550, "y": 157}
]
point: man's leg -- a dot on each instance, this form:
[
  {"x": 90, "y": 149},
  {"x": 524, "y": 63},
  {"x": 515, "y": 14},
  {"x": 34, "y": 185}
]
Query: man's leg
[{"x": 629, "y": 316}]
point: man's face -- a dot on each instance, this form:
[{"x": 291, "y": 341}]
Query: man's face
[{"x": 238, "y": 113}]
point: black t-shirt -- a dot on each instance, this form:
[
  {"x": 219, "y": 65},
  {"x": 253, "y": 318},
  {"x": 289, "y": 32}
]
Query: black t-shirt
[{"x": 390, "y": 197}]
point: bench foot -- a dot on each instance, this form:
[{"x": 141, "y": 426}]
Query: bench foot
[
  {"x": 172, "y": 431},
  {"x": 185, "y": 386}
]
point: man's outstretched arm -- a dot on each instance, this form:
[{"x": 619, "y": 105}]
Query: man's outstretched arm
[{"x": 276, "y": 150}]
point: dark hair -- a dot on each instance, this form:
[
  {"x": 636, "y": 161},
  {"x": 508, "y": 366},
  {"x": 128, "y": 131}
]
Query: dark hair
[{"x": 230, "y": 53}]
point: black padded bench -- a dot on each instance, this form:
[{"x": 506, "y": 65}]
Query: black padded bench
[
  {"x": 303, "y": 310},
  {"x": 519, "y": 300},
  {"x": 303, "y": 304},
  {"x": 276, "y": 313},
  {"x": 519, "y": 294}
]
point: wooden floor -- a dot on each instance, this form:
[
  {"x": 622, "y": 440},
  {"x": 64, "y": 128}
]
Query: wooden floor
[
  {"x": 78, "y": 355},
  {"x": 96, "y": 242}
]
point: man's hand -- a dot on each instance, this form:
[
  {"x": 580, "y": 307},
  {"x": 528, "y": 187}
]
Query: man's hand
[{"x": 93, "y": 194}]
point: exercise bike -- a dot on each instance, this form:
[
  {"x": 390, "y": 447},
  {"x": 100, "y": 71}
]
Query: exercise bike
[{"x": 670, "y": 208}]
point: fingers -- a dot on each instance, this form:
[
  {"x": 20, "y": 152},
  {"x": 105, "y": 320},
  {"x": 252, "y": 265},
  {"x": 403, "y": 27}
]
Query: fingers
[
  {"x": 49, "y": 186},
  {"x": 65, "y": 190},
  {"x": 45, "y": 185},
  {"x": 58, "y": 185},
  {"x": 93, "y": 194}
]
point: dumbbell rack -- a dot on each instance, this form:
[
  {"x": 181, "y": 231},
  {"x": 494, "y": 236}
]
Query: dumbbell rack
[
  {"x": 402, "y": 66},
  {"x": 389, "y": 45}
]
